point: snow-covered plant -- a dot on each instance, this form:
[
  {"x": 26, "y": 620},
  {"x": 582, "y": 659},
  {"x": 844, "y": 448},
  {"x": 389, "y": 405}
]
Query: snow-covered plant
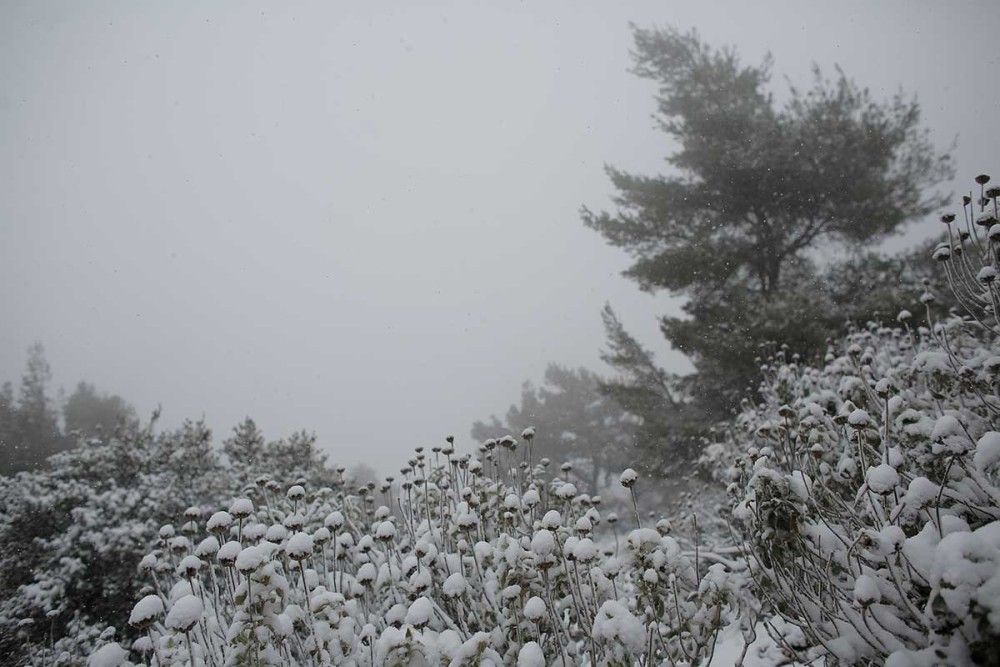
[
  {"x": 867, "y": 501},
  {"x": 460, "y": 560},
  {"x": 72, "y": 534}
]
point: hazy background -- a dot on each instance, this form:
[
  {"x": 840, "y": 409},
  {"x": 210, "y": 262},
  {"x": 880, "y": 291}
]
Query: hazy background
[{"x": 363, "y": 220}]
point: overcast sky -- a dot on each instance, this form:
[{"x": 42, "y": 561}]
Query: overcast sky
[{"x": 362, "y": 218}]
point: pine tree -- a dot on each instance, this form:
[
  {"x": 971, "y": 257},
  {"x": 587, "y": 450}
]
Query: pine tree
[{"x": 756, "y": 187}]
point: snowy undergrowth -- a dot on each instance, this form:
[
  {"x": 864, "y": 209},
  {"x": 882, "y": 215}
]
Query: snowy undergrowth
[
  {"x": 462, "y": 561},
  {"x": 867, "y": 502}
]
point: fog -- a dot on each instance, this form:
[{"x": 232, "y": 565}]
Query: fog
[{"x": 363, "y": 220}]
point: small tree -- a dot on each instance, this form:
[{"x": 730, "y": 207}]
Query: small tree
[{"x": 245, "y": 450}]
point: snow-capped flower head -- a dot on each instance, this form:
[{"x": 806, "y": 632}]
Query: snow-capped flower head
[
  {"x": 166, "y": 532},
  {"x": 551, "y": 520},
  {"x": 420, "y": 612},
  {"x": 184, "y": 614},
  {"x": 228, "y": 553},
  {"x": 467, "y": 520},
  {"x": 585, "y": 551},
  {"x": 299, "y": 547},
  {"x": 542, "y": 543},
  {"x": 987, "y": 451},
  {"x": 109, "y": 655},
  {"x": 615, "y": 623},
  {"x": 241, "y": 508},
  {"x": 145, "y": 612},
  {"x": 207, "y": 548},
  {"x": 386, "y": 531},
  {"x": 531, "y": 655},
  {"x": 949, "y": 433},
  {"x": 987, "y": 275},
  {"x": 219, "y": 522},
  {"x": 628, "y": 478},
  {"x": 334, "y": 521},
  {"x": 189, "y": 566},
  {"x": 296, "y": 492},
  {"x": 321, "y": 535},
  {"x": 866, "y": 590},
  {"x": 276, "y": 533},
  {"x": 528, "y": 433},
  {"x": 882, "y": 479},
  {"x": 148, "y": 563},
  {"x": 454, "y": 586},
  {"x": 180, "y": 544},
  {"x": 250, "y": 559},
  {"x": 143, "y": 645},
  {"x": 366, "y": 574},
  {"x": 859, "y": 419},
  {"x": 254, "y": 532},
  {"x": 192, "y": 513},
  {"x": 531, "y": 498},
  {"x": 511, "y": 593},
  {"x": 534, "y": 609},
  {"x": 566, "y": 491}
]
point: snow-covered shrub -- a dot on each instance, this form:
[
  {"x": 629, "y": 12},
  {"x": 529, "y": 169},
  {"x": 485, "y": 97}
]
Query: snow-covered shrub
[
  {"x": 460, "y": 560},
  {"x": 868, "y": 496},
  {"x": 72, "y": 534}
]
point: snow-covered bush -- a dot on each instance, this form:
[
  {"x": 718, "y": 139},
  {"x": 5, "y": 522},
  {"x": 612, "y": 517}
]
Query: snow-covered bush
[
  {"x": 72, "y": 534},
  {"x": 867, "y": 501},
  {"x": 461, "y": 560}
]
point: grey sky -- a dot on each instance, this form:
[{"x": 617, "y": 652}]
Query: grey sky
[{"x": 361, "y": 218}]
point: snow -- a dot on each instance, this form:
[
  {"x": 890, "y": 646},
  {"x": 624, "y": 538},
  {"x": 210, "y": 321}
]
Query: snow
[
  {"x": 228, "y": 552},
  {"x": 882, "y": 479},
  {"x": 420, "y": 612},
  {"x": 454, "y": 585},
  {"x": 551, "y": 520},
  {"x": 184, "y": 614},
  {"x": 866, "y": 590},
  {"x": 241, "y": 508},
  {"x": 615, "y": 623},
  {"x": 531, "y": 655},
  {"x": 859, "y": 419},
  {"x": 299, "y": 547},
  {"x": 543, "y": 543},
  {"x": 146, "y": 610},
  {"x": 250, "y": 559},
  {"x": 207, "y": 548},
  {"x": 109, "y": 655},
  {"x": 219, "y": 521},
  {"x": 987, "y": 451},
  {"x": 189, "y": 565},
  {"x": 534, "y": 608},
  {"x": 385, "y": 531}
]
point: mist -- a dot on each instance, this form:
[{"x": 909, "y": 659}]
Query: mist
[{"x": 364, "y": 221}]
